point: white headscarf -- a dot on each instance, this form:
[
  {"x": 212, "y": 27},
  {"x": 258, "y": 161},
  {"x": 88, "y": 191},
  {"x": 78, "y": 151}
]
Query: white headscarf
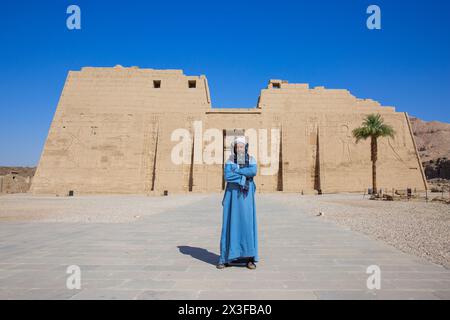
[{"x": 239, "y": 139}]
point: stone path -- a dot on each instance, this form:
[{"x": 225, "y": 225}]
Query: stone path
[{"x": 172, "y": 255}]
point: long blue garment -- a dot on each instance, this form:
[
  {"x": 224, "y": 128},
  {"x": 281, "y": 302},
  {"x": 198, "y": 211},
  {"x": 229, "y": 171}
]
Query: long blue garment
[{"x": 239, "y": 236}]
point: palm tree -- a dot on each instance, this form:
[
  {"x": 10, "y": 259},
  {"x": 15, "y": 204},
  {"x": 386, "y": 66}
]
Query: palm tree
[{"x": 373, "y": 127}]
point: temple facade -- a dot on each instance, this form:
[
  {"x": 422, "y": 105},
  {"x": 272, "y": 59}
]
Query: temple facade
[{"x": 122, "y": 130}]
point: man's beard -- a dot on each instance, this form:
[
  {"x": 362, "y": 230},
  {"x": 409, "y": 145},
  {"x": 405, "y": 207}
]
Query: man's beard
[{"x": 241, "y": 158}]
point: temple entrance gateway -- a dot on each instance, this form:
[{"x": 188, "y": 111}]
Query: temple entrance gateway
[{"x": 124, "y": 155}]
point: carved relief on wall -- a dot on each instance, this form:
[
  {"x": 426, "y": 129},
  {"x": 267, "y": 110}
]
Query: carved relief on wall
[
  {"x": 393, "y": 148},
  {"x": 346, "y": 144}
]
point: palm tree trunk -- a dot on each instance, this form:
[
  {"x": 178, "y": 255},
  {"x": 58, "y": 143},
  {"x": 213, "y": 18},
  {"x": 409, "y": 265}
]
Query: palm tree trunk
[{"x": 374, "y": 156}]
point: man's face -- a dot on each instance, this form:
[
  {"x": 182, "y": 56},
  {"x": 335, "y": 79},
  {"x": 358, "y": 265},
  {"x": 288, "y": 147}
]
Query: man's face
[{"x": 240, "y": 148}]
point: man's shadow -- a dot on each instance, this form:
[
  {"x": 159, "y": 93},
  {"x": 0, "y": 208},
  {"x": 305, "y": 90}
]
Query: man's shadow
[
  {"x": 200, "y": 254},
  {"x": 205, "y": 256}
]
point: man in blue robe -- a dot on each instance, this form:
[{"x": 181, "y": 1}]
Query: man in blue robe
[{"x": 239, "y": 238}]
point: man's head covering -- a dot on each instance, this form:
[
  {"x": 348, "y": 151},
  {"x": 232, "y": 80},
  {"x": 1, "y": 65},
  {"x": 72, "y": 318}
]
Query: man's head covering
[{"x": 239, "y": 139}]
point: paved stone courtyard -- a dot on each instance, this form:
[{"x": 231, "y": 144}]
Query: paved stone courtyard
[{"x": 172, "y": 253}]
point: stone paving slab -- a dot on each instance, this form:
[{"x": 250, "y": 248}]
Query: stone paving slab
[{"x": 172, "y": 255}]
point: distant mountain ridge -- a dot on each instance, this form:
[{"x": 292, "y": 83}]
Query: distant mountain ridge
[{"x": 433, "y": 143}]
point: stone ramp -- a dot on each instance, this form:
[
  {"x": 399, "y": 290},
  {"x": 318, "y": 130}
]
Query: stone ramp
[{"x": 172, "y": 255}]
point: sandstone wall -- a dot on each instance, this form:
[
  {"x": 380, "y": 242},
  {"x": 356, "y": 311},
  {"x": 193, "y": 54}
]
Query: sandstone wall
[{"x": 112, "y": 133}]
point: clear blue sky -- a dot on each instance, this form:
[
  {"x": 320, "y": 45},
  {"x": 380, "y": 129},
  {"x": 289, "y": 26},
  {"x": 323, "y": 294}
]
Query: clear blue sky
[{"x": 238, "y": 45}]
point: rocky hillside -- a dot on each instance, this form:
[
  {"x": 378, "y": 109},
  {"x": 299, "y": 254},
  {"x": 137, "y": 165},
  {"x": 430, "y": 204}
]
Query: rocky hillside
[{"x": 433, "y": 143}]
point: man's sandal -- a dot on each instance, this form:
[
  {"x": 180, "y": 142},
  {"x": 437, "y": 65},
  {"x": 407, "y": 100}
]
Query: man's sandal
[
  {"x": 222, "y": 265},
  {"x": 251, "y": 265}
]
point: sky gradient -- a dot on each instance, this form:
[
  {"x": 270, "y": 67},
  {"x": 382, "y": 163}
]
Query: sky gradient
[{"x": 238, "y": 45}]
